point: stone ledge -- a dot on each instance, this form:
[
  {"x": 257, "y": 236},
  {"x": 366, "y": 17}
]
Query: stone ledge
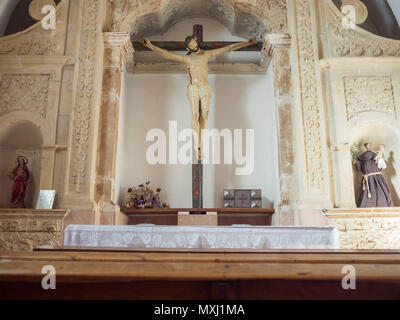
[{"x": 389, "y": 212}]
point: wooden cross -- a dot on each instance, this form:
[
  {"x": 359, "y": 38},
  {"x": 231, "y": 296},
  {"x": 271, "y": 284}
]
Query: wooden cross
[{"x": 205, "y": 45}]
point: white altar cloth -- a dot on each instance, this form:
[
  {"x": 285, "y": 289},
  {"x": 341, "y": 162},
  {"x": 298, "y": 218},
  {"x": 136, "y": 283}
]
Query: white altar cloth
[{"x": 206, "y": 237}]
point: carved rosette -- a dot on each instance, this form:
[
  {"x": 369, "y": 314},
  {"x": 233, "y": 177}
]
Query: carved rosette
[
  {"x": 364, "y": 94},
  {"x": 356, "y": 42},
  {"x": 24, "y": 230},
  {"x": 309, "y": 97}
]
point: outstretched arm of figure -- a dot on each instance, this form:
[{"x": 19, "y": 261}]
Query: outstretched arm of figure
[
  {"x": 232, "y": 47},
  {"x": 162, "y": 52}
]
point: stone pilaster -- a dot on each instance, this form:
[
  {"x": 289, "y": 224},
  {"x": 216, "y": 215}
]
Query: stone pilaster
[
  {"x": 280, "y": 47},
  {"x": 117, "y": 51},
  {"x": 313, "y": 170}
]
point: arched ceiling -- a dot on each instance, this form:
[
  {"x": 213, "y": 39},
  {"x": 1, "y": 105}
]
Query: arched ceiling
[{"x": 251, "y": 19}]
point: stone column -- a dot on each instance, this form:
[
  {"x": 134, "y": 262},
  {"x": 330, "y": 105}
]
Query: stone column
[
  {"x": 279, "y": 45},
  {"x": 117, "y": 50}
]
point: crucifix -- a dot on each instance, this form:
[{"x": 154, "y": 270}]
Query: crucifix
[{"x": 198, "y": 89}]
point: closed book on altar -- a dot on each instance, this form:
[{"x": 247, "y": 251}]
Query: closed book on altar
[{"x": 242, "y": 198}]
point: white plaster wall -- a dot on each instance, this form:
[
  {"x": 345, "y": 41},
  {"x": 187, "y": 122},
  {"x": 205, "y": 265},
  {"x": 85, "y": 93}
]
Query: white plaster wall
[{"x": 238, "y": 102}]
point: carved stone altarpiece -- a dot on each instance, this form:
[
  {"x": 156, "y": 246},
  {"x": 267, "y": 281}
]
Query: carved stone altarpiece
[{"x": 25, "y": 230}]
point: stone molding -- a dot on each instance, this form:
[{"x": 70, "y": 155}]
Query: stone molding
[{"x": 354, "y": 42}]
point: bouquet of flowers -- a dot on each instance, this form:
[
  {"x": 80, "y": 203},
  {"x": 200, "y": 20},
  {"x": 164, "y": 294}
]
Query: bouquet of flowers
[
  {"x": 144, "y": 198},
  {"x": 354, "y": 152}
]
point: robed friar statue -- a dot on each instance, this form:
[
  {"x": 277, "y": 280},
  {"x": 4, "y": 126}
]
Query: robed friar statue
[
  {"x": 374, "y": 190},
  {"x": 198, "y": 88}
]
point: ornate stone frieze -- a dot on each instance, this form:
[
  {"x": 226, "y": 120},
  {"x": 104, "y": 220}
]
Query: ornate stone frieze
[
  {"x": 309, "y": 96},
  {"x": 25, "y": 229},
  {"x": 356, "y": 41},
  {"x": 24, "y": 92},
  {"x": 37, "y": 41},
  {"x": 369, "y": 228},
  {"x": 365, "y": 94},
  {"x": 272, "y": 12}
]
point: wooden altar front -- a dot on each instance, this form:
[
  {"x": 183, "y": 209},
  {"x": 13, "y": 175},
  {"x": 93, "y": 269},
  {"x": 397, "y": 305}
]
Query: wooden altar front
[{"x": 221, "y": 216}]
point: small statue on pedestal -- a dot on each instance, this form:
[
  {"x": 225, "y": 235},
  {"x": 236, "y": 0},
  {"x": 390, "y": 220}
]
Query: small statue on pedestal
[
  {"x": 374, "y": 190},
  {"x": 20, "y": 175}
]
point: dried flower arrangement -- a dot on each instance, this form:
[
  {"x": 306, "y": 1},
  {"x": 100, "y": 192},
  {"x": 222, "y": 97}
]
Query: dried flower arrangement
[
  {"x": 354, "y": 152},
  {"x": 142, "y": 197}
]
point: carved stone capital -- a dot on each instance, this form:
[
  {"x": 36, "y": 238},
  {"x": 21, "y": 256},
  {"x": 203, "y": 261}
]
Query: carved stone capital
[
  {"x": 279, "y": 40},
  {"x": 121, "y": 41}
]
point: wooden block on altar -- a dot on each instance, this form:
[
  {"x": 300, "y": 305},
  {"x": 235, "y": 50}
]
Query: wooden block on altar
[
  {"x": 187, "y": 219},
  {"x": 225, "y": 216}
]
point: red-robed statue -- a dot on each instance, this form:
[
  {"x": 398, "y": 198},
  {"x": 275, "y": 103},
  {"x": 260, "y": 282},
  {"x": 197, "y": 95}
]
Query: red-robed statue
[{"x": 20, "y": 176}]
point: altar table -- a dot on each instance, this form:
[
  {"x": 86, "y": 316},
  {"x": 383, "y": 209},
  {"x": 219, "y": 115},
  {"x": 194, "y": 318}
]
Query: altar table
[{"x": 201, "y": 237}]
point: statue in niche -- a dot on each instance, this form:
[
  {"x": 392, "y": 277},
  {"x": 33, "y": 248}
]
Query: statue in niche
[
  {"x": 20, "y": 175},
  {"x": 198, "y": 88},
  {"x": 374, "y": 190}
]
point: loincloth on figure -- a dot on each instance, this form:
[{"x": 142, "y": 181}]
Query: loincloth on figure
[{"x": 201, "y": 91}]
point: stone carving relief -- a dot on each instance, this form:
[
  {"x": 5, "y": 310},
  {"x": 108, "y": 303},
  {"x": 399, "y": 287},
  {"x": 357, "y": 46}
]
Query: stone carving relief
[
  {"x": 36, "y": 41},
  {"x": 368, "y": 233},
  {"x": 25, "y": 93},
  {"x": 309, "y": 99},
  {"x": 270, "y": 12},
  {"x": 85, "y": 93},
  {"x": 26, "y": 231},
  {"x": 365, "y": 94},
  {"x": 356, "y": 42}
]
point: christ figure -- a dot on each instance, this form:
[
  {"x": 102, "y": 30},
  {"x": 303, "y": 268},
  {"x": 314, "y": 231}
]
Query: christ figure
[
  {"x": 198, "y": 88},
  {"x": 20, "y": 176}
]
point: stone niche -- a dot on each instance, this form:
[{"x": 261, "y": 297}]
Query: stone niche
[
  {"x": 22, "y": 138},
  {"x": 362, "y": 96},
  {"x": 30, "y": 89},
  {"x": 378, "y": 133}
]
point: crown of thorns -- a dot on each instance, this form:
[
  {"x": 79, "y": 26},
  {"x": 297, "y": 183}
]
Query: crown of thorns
[{"x": 23, "y": 158}]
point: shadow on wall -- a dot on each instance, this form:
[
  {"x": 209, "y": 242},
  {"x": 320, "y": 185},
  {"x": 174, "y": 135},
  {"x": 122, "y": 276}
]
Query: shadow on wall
[
  {"x": 378, "y": 133},
  {"x": 23, "y": 138}
]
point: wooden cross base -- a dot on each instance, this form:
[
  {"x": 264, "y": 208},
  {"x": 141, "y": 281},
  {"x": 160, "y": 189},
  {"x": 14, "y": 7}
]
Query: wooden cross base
[{"x": 197, "y": 188}]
